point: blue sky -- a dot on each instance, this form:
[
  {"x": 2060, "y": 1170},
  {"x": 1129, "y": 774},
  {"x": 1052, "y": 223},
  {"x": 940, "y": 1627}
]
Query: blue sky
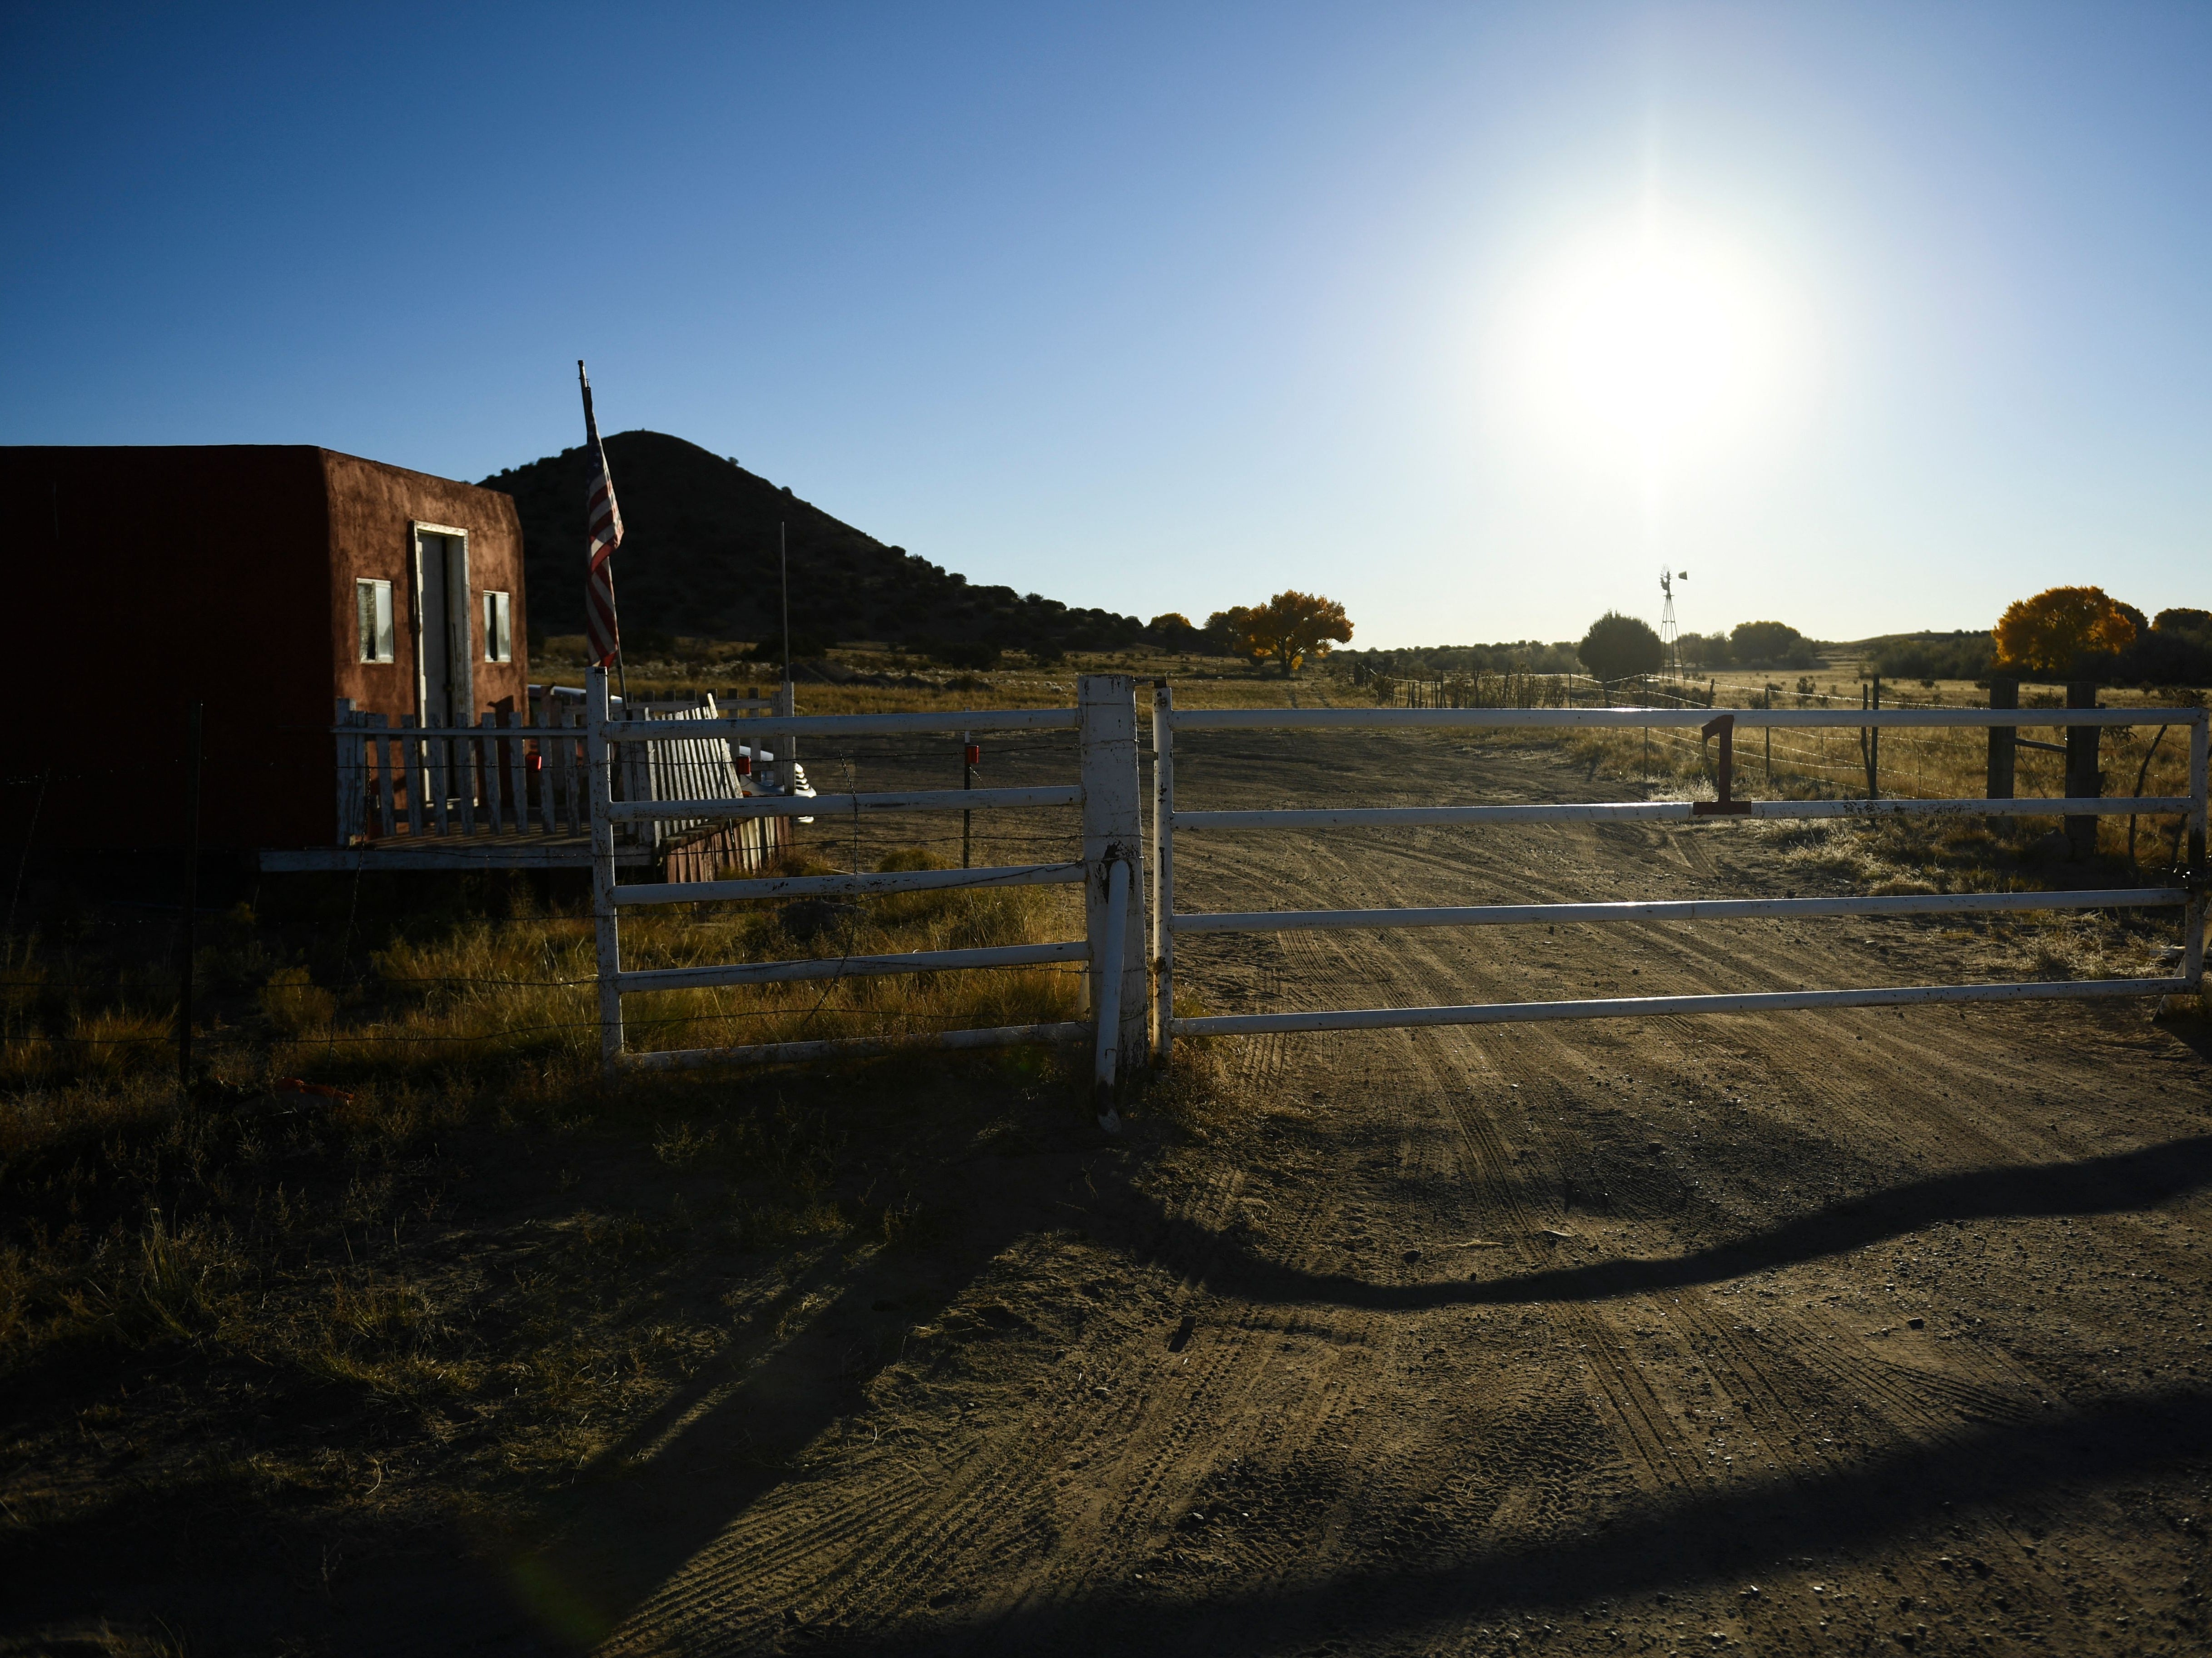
[{"x": 1170, "y": 308}]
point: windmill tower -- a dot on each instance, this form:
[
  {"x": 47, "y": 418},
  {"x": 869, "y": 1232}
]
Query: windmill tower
[{"x": 1667, "y": 631}]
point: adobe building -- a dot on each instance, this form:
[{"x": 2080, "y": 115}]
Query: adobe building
[{"x": 264, "y": 581}]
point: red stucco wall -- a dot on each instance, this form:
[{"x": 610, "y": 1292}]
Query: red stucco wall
[{"x": 373, "y": 509}]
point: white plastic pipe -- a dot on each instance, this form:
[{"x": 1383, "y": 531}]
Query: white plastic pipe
[
  {"x": 1645, "y": 1007},
  {"x": 1004, "y": 1035},
  {"x": 1666, "y": 811},
  {"x": 825, "y": 886},
  {"x": 845, "y": 967}
]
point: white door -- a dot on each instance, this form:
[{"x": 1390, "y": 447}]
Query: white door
[{"x": 444, "y": 681}]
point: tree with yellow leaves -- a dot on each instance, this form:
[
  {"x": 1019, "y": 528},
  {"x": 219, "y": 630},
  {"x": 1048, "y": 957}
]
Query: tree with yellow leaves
[
  {"x": 1290, "y": 630},
  {"x": 2046, "y": 634}
]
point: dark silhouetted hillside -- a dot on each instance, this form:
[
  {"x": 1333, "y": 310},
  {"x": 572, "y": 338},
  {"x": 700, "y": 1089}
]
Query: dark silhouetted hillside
[{"x": 699, "y": 558}]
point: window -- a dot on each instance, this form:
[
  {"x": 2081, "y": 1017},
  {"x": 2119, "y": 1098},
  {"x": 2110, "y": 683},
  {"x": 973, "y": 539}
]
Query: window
[
  {"x": 499, "y": 634},
  {"x": 372, "y": 608}
]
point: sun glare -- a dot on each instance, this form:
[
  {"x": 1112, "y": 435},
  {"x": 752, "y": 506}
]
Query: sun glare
[{"x": 1660, "y": 339}]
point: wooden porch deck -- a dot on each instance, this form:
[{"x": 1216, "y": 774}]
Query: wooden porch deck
[{"x": 422, "y": 853}]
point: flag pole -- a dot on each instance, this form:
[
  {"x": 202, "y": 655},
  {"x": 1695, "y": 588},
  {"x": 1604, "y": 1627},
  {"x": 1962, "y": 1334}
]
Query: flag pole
[
  {"x": 598, "y": 454},
  {"x": 622, "y": 679},
  {"x": 790, "y": 696}
]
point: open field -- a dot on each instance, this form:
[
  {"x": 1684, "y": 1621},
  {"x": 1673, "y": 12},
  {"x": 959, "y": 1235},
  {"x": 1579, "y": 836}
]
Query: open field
[{"x": 1823, "y": 1331}]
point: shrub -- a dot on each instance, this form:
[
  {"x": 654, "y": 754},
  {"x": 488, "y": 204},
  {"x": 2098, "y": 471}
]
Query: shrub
[{"x": 1620, "y": 647}]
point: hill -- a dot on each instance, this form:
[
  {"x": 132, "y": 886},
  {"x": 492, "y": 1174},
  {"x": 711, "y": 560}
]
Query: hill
[{"x": 699, "y": 559}]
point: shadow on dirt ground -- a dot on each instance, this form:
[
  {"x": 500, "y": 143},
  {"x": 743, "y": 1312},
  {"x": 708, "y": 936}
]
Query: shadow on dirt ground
[{"x": 2125, "y": 1181}]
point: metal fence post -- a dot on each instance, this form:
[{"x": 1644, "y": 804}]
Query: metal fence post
[
  {"x": 1163, "y": 870},
  {"x": 598, "y": 761},
  {"x": 1112, "y": 834}
]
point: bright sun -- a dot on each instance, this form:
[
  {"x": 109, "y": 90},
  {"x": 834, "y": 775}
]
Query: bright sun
[{"x": 1662, "y": 339}]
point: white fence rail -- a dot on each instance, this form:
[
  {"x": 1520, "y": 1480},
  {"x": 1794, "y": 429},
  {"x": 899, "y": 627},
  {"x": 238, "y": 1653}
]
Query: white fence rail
[
  {"x": 1169, "y": 821},
  {"x": 1105, "y": 721}
]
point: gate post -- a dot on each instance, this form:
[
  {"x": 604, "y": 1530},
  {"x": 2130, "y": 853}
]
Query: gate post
[
  {"x": 2200, "y": 763},
  {"x": 2082, "y": 781},
  {"x": 1113, "y": 833},
  {"x": 598, "y": 764},
  {"x": 1163, "y": 870}
]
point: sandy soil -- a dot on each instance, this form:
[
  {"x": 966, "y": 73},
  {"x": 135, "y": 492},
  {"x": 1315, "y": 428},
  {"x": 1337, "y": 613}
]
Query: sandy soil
[
  {"x": 1810, "y": 1333},
  {"x": 1847, "y": 1333}
]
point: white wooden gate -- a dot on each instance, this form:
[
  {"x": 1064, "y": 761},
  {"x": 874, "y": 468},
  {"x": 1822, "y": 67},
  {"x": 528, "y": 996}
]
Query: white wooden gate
[
  {"x": 1105, "y": 720},
  {"x": 1169, "y": 822}
]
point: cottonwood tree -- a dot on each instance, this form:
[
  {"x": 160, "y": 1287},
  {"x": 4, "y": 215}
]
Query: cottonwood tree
[
  {"x": 2047, "y": 634},
  {"x": 1290, "y": 630}
]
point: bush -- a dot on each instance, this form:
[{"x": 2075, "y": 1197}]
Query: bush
[
  {"x": 1620, "y": 647},
  {"x": 1770, "y": 644},
  {"x": 1935, "y": 656}
]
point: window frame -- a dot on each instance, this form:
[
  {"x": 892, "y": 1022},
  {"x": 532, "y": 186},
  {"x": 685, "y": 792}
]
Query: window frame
[
  {"x": 377, "y": 628},
  {"x": 498, "y": 625}
]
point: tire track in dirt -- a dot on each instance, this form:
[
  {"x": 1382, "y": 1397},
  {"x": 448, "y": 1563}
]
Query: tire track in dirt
[{"x": 1308, "y": 1437}]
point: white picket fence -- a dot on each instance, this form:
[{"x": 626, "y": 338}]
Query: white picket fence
[
  {"x": 517, "y": 775},
  {"x": 1169, "y": 822}
]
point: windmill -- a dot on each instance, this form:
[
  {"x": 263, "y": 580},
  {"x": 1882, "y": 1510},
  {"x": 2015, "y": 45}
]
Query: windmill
[{"x": 1668, "y": 630}]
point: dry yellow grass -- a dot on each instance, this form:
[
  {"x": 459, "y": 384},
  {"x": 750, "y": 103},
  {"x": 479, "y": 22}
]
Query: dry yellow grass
[
  {"x": 1949, "y": 763},
  {"x": 1205, "y": 682}
]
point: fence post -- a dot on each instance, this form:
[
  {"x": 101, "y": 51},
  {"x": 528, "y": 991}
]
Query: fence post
[
  {"x": 786, "y": 742},
  {"x": 2192, "y": 956},
  {"x": 2082, "y": 781},
  {"x": 1113, "y": 833},
  {"x": 1163, "y": 870},
  {"x": 352, "y": 798},
  {"x": 599, "y": 763},
  {"x": 2004, "y": 693}
]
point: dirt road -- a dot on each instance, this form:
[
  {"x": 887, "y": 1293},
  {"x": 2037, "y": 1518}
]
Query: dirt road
[{"x": 1810, "y": 1333}]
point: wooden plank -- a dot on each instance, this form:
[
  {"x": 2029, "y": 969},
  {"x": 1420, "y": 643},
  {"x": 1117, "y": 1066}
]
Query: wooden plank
[
  {"x": 385, "y": 825},
  {"x": 441, "y": 761},
  {"x": 349, "y": 807},
  {"x": 572, "y": 769},
  {"x": 494, "y": 786},
  {"x": 411, "y": 748},
  {"x": 465, "y": 781},
  {"x": 542, "y": 736},
  {"x": 518, "y": 776}
]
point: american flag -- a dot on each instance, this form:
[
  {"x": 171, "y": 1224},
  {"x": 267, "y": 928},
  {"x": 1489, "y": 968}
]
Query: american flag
[{"x": 602, "y": 638}]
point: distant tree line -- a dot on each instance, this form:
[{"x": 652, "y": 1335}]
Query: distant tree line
[
  {"x": 1454, "y": 661},
  {"x": 2063, "y": 633},
  {"x": 1751, "y": 645}
]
